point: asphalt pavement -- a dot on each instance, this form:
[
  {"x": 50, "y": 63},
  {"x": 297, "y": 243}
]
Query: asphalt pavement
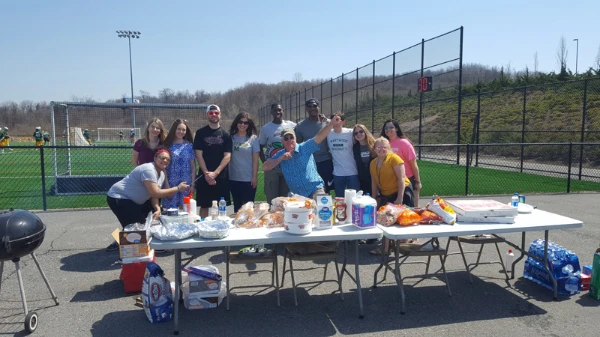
[{"x": 93, "y": 303}]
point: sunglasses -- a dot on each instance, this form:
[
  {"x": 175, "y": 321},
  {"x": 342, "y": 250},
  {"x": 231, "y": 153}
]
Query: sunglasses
[
  {"x": 288, "y": 138},
  {"x": 167, "y": 159},
  {"x": 245, "y": 123},
  {"x": 356, "y": 133},
  {"x": 214, "y": 113},
  {"x": 389, "y": 128},
  {"x": 314, "y": 105},
  {"x": 380, "y": 147}
]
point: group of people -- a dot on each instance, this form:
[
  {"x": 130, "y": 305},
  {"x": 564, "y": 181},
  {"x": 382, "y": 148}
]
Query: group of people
[
  {"x": 41, "y": 136},
  {"x": 4, "y": 138},
  {"x": 312, "y": 157}
]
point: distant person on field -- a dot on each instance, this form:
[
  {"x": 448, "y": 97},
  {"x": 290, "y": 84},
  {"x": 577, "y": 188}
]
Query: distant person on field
[
  {"x": 46, "y": 138},
  {"x": 213, "y": 152},
  {"x": 270, "y": 140},
  {"x": 183, "y": 162},
  {"x": 3, "y": 138},
  {"x": 144, "y": 148},
  {"x": 297, "y": 161},
  {"x": 87, "y": 136},
  {"x": 132, "y": 136},
  {"x": 306, "y": 130},
  {"x": 38, "y": 136},
  {"x": 120, "y": 136},
  {"x": 243, "y": 167}
]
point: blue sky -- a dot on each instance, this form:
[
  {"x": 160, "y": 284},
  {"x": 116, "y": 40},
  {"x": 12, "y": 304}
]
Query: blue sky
[{"x": 55, "y": 50}]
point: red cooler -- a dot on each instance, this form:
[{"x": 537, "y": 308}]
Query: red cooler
[{"x": 132, "y": 272}]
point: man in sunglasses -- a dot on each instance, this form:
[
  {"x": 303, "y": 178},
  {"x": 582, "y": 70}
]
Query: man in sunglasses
[
  {"x": 306, "y": 130},
  {"x": 270, "y": 139},
  {"x": 297, "y": 162},
  {"x": 212, "y": 145}
]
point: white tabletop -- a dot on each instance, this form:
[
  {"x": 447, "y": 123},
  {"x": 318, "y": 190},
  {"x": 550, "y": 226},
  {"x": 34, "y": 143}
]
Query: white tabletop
[
  {"x": 536, "y": 221},
  {"x": 242, "y": 237}
]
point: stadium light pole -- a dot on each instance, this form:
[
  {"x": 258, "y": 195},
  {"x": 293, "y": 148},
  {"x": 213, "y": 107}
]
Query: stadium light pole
[
  {"x": 130, "y": 35},
  {"x": 576, "y": 55}
]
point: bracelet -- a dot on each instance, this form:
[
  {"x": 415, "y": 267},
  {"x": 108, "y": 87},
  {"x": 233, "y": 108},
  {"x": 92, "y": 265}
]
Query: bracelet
[{"x": 178, "y": 188}]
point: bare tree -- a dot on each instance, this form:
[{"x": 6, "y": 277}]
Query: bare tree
[
  {"x": 562, "y": 53},
  {"x": 536, "y": 63},
  {"x": 297, "y": 77},
  {"x": 597, "y": 61}
]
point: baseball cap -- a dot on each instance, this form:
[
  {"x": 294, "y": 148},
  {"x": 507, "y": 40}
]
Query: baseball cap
[
  {"x": 37, "y": 127},
  {"x": 288, "y": 131},
  {"x": 213, "y": 107},
  {"x": 312, "y": 100}
]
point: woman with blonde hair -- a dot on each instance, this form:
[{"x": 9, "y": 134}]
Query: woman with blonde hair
[
  {"x": 364, "y": 153},
  {"x": 183, "y": 161},
  {"x": 144, "y": 148}
]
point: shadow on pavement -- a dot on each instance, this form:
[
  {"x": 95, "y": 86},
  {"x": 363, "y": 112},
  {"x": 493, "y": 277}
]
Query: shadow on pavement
[
  {"x": 103, "y": 292},
  {"x": 91, "y": 261}
]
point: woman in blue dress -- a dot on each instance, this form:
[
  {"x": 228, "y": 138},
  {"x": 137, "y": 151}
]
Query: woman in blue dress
[{"x": 183, "y": 161}]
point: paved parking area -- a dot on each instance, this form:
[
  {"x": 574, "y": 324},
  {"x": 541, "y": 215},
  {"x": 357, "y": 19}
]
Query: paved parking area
[{"x": 92, "y": 301}]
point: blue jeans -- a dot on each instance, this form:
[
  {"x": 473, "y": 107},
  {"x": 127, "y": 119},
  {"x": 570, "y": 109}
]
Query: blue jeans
[{"x": 343, "y": 183}]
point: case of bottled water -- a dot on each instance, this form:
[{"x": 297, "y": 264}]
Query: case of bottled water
[{"x": 563, "y": 264}]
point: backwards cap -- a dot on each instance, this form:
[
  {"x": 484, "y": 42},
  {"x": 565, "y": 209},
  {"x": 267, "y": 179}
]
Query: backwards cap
[{"x": 213, "y": 107}]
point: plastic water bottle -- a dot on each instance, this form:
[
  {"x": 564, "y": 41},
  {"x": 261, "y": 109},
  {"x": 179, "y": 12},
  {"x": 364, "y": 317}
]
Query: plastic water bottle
[
  {"x": 222, "y": 208},
  {"x": 214, "y": 210},
  {"x": 508, "y": 260},
  {"x": 514, "y": 201}
]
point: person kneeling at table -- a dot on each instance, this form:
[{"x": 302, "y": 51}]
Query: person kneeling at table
[
  {"x": 297, "y": 162},
  {"x": 133, "y": 197},
  {"x": 389, "y": 183}
]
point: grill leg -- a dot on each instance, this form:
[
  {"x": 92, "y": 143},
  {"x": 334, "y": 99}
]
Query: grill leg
[
  {"x": 44, "y": 277},
  {"x": 18, "y": 267},
  {"x": 1, "y": 272}
]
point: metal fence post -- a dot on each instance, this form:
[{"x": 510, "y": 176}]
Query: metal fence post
[
  {"x": 342, "y": 93},
  {"x": 356, "y": 89},
  {"x": 477, "y": 121},
  {"x": 43, "y": 171},
  {"x": 523, "y": 127},
  {"x": 467, "y": 168},
  {"x": 459, "y": 95},
  {"x": 583, "y": 117},
  {"x": 331, "y": 95},
  {"x": 569, "y": 169},
  {"x": 394, "y": 87},
  {"x": 421, "y": 97},
  {"x": 373, "y": 99}
]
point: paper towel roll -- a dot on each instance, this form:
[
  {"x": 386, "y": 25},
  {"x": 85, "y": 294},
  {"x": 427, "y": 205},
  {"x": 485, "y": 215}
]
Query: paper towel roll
[{"x": 348, "y": 195}]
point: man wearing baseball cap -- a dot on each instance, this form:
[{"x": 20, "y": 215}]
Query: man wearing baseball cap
[
  {"x": 213, "y": 152},
  {"x": 307, "y": 129},
  {"x": 297, "y": 163}
]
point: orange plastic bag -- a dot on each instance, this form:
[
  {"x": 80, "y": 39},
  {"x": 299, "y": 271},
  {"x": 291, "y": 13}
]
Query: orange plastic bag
[{"x": 408, "y": 218}]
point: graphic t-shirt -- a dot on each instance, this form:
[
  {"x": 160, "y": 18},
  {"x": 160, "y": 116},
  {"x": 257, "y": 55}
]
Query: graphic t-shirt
[
  {"x": 365, "y": 154},
  {"x": 270, "y": 137},
  {"x": 213, "y": 143},
  {"x": 340, "y": 146},
  {"x": 240, "y": 166}
]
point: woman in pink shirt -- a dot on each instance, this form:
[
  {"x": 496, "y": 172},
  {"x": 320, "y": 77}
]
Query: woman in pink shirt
[{"x": 402, "y": 146}]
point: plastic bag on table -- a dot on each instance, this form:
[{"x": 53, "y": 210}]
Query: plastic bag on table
[
  {"x": 213, "y": 229},
  {"x": 272, "y": 220},
  {"x": 438, "y": 206},
  {"x": 278, "y": 204},
  {"x": 245, "y": 215},
  {"x": 388, "y": 214},
  {"x": 260, "y": 209},
  {"x": 136, "y": 226},
  {"x": 428, "y": 217},
  {"x": 408, "y": 217},
  {"x": 174, "y": 231}
]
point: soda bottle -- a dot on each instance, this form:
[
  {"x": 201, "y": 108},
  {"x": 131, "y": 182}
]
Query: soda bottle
[
  {"x": 514, "y": 202},
  {"x": 222, "y": 208}
]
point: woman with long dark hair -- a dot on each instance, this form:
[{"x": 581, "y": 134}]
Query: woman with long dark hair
[
  {"x": 243, "y": 167},
  {"x": 144, "y": 148},
  {"x": 402, "y": 146},
  {"x": 183, "y": 161},
  {"x": 364, "y": 153}
]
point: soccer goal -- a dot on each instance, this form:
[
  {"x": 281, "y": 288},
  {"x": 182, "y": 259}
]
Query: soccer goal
[{"x": 112, "y": 134}]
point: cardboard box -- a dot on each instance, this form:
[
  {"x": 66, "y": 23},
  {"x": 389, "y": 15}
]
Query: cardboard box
[
  {"x": 481, "y": 208},
  {"x": 485, "y": 219},
  {"x": 585, "y": 281},
  {"x": 132, "y": 244}
]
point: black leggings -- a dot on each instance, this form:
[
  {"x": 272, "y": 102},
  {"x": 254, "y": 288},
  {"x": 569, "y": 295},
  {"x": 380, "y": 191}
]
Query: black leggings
[{"x": 127, "y": 211}]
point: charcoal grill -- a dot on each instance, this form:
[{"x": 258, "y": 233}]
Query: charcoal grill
[{"x": 21, "y": 233}]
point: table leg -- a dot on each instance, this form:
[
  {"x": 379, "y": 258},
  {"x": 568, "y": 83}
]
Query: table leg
[
  {"x": 399, "y": 277},
  {"x": 512, "y": 268},
  {"x": 227, "y": 251},
  {"x": 547, "y": 268},
  {"x": 358, "y": 288},
  {"x": 383, "y": 263},
  {"x": 177, "y": 289}
]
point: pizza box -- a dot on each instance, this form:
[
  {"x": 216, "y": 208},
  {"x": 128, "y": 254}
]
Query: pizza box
[
  {"x": 461, "y": 219},
  {"x": 481, "y": 208}
]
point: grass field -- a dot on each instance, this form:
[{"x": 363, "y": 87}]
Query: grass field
[{"x": 21, "y": 182}]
